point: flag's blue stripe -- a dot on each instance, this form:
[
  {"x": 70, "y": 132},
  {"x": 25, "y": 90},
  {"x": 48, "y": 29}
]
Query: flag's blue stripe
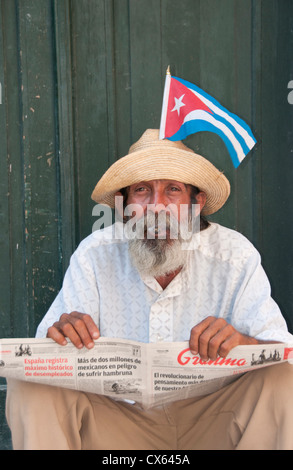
[
  {"x": 192, "y": 127},
  {"x": 216, "y": 103},
  {"x": 237, "y": 136}
]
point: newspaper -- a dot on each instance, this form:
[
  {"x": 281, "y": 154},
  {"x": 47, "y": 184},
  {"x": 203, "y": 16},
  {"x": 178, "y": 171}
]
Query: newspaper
[{"x": 148, "y": 374}]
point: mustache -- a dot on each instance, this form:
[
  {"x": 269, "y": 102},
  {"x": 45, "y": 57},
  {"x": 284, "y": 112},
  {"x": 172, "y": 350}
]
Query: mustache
[
  {"x": 151, "y": 225},
  {"x": 157, "y": 225}
]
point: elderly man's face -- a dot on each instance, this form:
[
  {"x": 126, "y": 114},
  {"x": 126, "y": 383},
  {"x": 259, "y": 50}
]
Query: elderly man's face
[
  {"x": 162, "y": 208},
  {"x": 161, "y": 199}
]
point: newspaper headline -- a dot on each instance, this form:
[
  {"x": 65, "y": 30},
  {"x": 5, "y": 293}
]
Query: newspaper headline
[{"x": 149, "y": 374}]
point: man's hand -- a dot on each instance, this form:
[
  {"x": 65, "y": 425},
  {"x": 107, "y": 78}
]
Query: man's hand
[
  {"x": 215, "y": 337},
  {"x": 78, "y": 327}
]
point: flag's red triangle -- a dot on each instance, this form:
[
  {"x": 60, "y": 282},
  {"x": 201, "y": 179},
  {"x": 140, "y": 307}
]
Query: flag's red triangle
[{"x": 186, "y": 102}]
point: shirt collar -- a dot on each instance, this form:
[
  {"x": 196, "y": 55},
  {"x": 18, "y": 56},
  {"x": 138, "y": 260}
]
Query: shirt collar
[{"x": 177, "y": 286}]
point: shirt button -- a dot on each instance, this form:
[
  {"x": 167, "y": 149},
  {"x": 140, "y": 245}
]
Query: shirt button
[{"x": 159, "y": 337}]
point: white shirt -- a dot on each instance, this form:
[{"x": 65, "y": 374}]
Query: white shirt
[{"x": 223, "y": 278}]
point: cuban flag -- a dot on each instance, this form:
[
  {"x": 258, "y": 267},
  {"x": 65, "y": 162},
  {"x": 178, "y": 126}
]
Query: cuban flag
[{"x": 187, "y": 109}]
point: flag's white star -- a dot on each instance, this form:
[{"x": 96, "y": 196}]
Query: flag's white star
[{"x": 178, "y": 104}]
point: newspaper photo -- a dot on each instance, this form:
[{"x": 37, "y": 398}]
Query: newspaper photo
[{"x": 149, "y": 374}]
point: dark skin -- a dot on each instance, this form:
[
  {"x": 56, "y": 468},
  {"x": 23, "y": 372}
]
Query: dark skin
[{"x": 210, "y": 338}]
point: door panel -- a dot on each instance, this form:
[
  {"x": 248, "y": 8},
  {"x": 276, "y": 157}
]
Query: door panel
[{"x": 82, "y": 79}]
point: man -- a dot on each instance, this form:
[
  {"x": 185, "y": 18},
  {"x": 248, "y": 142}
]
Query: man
[{"x": 163, "y": 282}]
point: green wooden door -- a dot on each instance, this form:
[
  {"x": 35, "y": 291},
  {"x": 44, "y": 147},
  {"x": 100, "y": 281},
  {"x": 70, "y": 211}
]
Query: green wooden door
[{"x": 82, "y": 79}]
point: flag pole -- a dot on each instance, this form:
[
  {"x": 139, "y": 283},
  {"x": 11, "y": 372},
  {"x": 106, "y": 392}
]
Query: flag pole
[{"x": 165, "y": 103}]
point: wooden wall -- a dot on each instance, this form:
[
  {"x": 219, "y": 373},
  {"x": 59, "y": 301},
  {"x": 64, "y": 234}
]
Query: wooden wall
[{"x": 82, "y": 79}]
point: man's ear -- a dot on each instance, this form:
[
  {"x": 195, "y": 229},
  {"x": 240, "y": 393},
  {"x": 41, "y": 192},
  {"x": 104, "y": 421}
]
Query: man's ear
[
  {"x": 119, "y": 203},
  {"x": 201, "y": 199}
]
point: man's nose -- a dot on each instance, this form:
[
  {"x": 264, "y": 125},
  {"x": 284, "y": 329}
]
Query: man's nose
[{"x": 158, "y": 202}]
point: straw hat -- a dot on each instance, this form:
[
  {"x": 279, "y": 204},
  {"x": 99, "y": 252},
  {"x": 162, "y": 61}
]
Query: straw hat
[{"x": 152, "y": 159}]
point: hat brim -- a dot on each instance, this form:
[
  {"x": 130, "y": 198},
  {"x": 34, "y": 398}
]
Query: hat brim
[{"x": 155, "y": 163}]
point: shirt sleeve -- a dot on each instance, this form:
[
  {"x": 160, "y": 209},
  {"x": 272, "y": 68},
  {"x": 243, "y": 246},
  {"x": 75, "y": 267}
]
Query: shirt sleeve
[
  {"x": 79, "y": 293},
  {"x": 255, "y": 312}
]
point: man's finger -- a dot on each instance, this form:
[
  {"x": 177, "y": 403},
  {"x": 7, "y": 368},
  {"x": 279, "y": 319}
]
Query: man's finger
[
  {"x": 221, "y": 342},
  {"x": 79, "y": 328},
  {"x": 197, "y": 332},
  {"x": 84, "y": 327},
  {"x": 92, "y": 328},
  {"x": 56, "y": 335}
]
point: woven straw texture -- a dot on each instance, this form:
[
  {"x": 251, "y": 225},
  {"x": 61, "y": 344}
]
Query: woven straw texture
[{"x": 152, "y": 159}]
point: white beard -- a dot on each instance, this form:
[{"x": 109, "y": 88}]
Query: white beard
[{"x": 156, "y": 257}]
